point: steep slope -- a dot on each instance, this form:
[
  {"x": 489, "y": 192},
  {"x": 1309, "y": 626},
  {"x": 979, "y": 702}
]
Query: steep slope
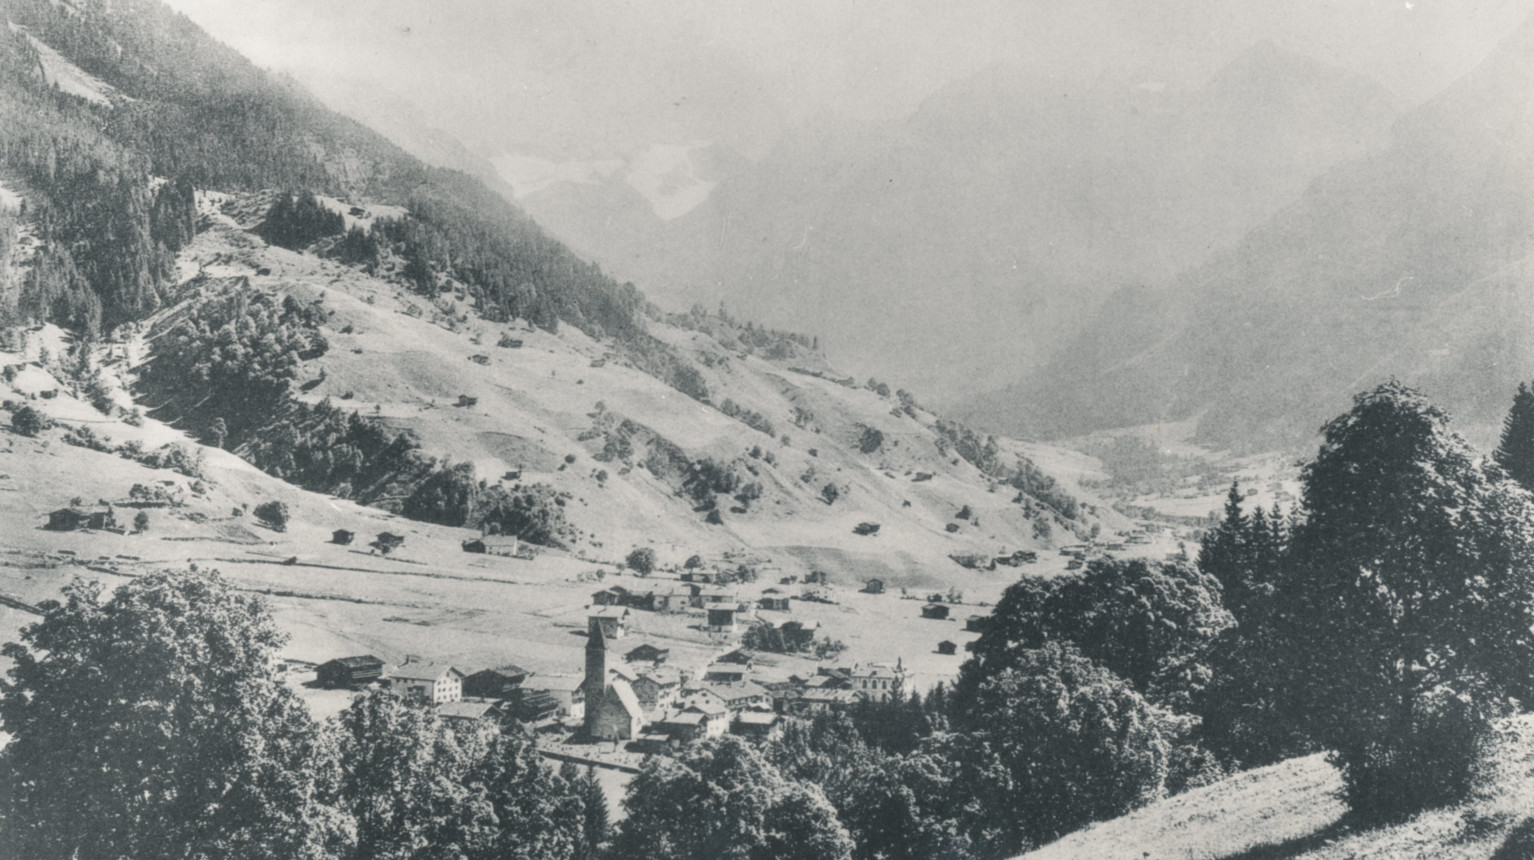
[
  {"x": 634, "y": 461},
  {"x": 1291, "y": 810},
  {"x": 1413, "y": 262},
  {"x": 968, "y": 241}
]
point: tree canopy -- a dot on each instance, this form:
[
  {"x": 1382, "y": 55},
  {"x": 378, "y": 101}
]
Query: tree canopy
[
  {"x": 1408, "y": 600},
  {"x": 149, "y": 723}
]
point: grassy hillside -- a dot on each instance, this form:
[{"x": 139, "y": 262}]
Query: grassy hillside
[{"x": 1291, "y": 810}]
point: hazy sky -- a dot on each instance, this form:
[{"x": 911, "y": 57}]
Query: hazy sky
[{"x": 573, "y": 79}]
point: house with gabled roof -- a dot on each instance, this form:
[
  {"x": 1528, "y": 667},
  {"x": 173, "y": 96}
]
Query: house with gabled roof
[
  {"x": 433, "y": 682},
  {"x": 500, "y": 682},
  {"x": 349, "y": 672}
]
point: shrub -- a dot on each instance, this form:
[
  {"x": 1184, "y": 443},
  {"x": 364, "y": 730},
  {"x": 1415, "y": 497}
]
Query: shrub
[
  {"x": 642, "y": 560},
  {"x": 28, "y": 421},
  {"x": 274, "y": 514}
]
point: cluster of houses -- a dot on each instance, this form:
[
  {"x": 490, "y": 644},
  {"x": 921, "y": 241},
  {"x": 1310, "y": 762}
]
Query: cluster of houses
[{"x": 634, "y": 697}]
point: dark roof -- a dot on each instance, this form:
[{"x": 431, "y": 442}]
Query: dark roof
[{"x": 357, "y": 662}]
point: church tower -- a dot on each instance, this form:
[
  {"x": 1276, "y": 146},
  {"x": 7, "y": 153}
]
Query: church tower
[{"x": 596, "y": 662}]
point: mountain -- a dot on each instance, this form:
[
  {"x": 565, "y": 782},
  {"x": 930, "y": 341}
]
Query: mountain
[
  {"x": 962, "y": 245},
  {"x": 1413, "y": 261},
  {"x": 215, "y": 289}
]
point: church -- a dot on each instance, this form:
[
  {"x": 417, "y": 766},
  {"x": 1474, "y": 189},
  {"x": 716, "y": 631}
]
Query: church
[{"x": 613, "y": 711}]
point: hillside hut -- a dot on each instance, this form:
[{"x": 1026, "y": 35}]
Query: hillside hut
[
  {"x": 67, "y": 519},
  {"x": 342, "y": 537},
  {"x": 935, "y": 611},
  {"x": 873, "y": 586},
  {"x": 947, "y": 648},
  {"x": 721, "y": 619},
  {"x": 476, "y": 545},
  {"x": 388, "y": 541},
  {"x": 977, "y": 623}
]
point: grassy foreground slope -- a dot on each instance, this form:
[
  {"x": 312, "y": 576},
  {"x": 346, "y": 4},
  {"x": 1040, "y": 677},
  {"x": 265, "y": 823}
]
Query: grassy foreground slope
[{"x": 1292, "y": 810}]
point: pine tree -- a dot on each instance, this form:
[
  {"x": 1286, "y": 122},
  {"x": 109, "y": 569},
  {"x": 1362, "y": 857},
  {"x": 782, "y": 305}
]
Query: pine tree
[
  {"x": 597, "y": 822},
  {"x": 1516, "y": 452}
]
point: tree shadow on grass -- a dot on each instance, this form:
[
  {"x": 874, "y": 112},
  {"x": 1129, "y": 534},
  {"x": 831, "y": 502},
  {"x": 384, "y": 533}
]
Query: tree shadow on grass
[
  {"x": 1300, "y": 844},
  {"x": 1519, "y": 844}
]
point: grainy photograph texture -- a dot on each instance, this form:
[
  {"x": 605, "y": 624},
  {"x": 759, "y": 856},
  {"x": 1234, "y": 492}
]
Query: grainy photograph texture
[{"x": 745, "y": 430}]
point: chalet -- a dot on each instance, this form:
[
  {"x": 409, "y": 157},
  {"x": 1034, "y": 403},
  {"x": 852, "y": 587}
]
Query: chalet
[
  {"x": 342, "y": 537},
  {"x": 823, "y": 700},
  {"x": 611, "y": 620},
  {"x": 502, "y": 682},
  {"x": 721, "y": 619},
  {"x": 757, "y": 724},
  {"x": 657, "y": 689},
  {"x": 774, "y": 603},
  {"x": 873, "y": 586},
  {"x": 615, "y": 595},
  {"x": 434, "y": 682},
  {"x": 877, "y": 679},
  {"x": 463, "y": 711},
  {"x": 647, "y": 653},
  {"x": 707, "y": 719},
  {"x": 739, "y": 657},
  {"x": 706, "y": 597},
  {"x": 724, "y": 673},
  {"x": 476, "y": 545},
  {"x": 741, "y": 696},
  {"x": 947, "y": 648},
  {"x": 389, "y": 541},
  {"x": 977, "y": 623},
  {"x": 935, "y": 611},
  {"x": 668, "y": 601},
  {"x": 568, "y": 691},
  {"x": 349, "y": 672},
  {"x": 502, "y": 545},
  {"x": 534, "y": 706},
  {"x": 67, "y": 519}
]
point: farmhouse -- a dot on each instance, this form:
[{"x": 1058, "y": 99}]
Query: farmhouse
[
  {"x": 349, "y": 672},
  {"x": 724, "y": 673},
  {"x": 67, "y": 519},
  {"x": 721, "y": 619},
  {"x": 468, "y": 712},
  {"x": 773, "y": 603},
  {"x": 657, "y": 689},
  {"x": 568, "y": 691},
  {"x": 647, "y": 653},
  {"x": 757, "y": 724},
  {"x": 502, "y": 545},
  {"x": 739, "y": 657},
  {"x": 434, "y": 682},
  {"x": 707, "y": 719},
  {"x": 502, "y": 682}
]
